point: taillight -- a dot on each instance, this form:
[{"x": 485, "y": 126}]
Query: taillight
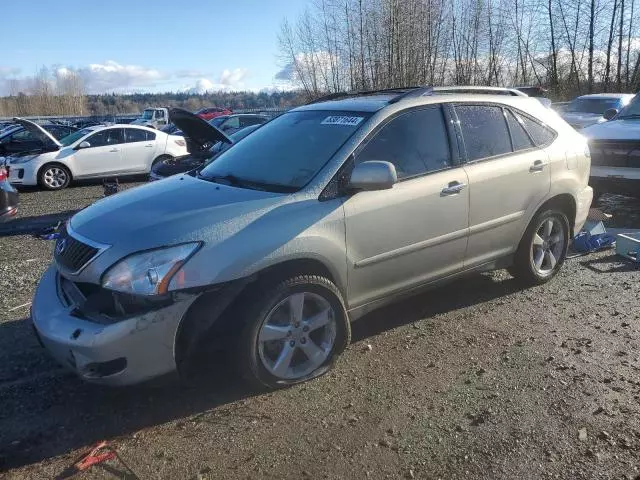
[
  {"x": 180, "y": 142},
  {"x": 3, "y": 174}
]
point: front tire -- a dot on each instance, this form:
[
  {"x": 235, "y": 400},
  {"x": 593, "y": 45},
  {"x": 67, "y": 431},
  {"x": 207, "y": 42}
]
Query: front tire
[
  {"x": 54, "y": 177},
  {"x": 293, "y": 332},
  {"x": 543, "y": 248}
]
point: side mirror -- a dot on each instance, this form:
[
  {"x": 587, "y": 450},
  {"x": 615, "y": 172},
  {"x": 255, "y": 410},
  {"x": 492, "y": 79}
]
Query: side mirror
[
  {"x": 373, "y": 175},
  {"x": 609, "y": 114},
  {"x": 84, "y": 144}
]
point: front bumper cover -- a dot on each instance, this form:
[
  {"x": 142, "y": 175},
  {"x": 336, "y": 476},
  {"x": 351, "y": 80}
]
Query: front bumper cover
[{"x": 135, "y": 349}]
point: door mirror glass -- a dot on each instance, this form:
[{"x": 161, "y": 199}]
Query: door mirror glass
[
  {"x": 373, "y": 175},
  {"x": 84, "y": 144},
  {"x": 609, "y": 114}
]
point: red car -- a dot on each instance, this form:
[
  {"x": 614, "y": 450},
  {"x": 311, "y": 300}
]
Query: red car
[{"x": 209, "y": 113}]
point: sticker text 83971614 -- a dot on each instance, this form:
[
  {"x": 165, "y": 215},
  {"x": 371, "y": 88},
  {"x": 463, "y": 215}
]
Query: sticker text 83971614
[{"x": 342, "y": 120}]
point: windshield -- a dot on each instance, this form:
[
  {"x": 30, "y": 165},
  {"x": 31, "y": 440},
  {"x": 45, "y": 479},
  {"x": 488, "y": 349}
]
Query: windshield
[
  {"x": 147, "y": 115},
  {"x": 216, "y": 122},
  {"x": 593, "y": 105},
  {"x": 74, "y": 137},
  {"x": 632, "y": 110},
  {"x": 288, "y": 151}
]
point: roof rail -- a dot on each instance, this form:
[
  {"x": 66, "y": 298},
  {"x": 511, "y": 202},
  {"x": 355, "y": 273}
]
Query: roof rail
[
  {"x": 402, "y": 92},
  {"x": 413, "y": 93},
  {"x": 330, "y": 96},
  {"x": 481, "y": 90}
]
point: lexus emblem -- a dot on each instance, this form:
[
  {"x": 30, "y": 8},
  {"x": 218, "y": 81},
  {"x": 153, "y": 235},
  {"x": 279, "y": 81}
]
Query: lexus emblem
[{"x": 60, "y": 246}]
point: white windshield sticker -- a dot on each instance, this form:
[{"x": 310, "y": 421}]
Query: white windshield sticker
[{"x": 341, "y": 120}]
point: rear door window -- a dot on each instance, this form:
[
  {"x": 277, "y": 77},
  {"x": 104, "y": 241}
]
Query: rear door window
[
  {"x": 484, "y": 130},
  {"x": 133, "y": 135},
  {"x": 415, "y": 142},
  {"x": 103, "y": 138}
]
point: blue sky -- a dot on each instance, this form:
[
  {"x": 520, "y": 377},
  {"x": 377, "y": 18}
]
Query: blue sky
[{"x": 158, "y": 45}]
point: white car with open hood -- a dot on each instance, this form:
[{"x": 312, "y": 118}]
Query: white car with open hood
[{"x": 93, "y": 152}]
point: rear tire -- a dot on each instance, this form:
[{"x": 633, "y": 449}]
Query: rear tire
[
  {"x": 293, "y": 332},
  {"x": 543, "y": 248},
  {"x": 159, "y": 159},
  {"x": 54, "y": 176}
]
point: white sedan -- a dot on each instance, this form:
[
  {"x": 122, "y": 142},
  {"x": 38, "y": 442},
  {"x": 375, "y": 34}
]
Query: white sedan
[{"x": 93, "y": 152}]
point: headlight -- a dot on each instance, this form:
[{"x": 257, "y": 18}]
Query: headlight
[{"x": 150, "y": 272}]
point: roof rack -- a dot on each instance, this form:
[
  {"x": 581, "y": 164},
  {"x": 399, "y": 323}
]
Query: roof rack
[
  {"x": 402, "y": 92},
  {"x": 480, "y": 90}
]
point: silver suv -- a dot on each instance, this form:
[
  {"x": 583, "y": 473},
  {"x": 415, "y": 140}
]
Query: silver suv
[{"x": 321, "y": 215}]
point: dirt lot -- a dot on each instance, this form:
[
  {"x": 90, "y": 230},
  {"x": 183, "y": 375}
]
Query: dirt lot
[{"x": 479, "y": 379}]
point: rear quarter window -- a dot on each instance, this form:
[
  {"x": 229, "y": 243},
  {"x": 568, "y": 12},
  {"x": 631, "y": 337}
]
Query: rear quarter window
[{"x": 541, "y": 135}]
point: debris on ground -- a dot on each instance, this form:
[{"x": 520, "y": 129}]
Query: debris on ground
[
  {"x": 628, "y": 246},
  {"x": 582, "y": 434}
]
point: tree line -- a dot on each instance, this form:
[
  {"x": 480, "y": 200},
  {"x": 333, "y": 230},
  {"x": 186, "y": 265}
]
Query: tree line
[
  {"x": 571, "y": 47},
  {"x": 51, "y": 93}
]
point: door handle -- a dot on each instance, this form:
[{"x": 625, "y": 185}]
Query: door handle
[
  {"x": 148, "y": 146},
  {"x": 114, "y": 150},
  {"x": 537, "y": 166},
  {"x": 452, "y": 189}
]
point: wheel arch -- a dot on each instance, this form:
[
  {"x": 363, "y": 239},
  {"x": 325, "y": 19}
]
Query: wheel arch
[
  {"x": 162, "y": 156},
  {"x": 563, "y": 202},
  {"x": 201, "y": 319},
  {"x": 54, "y": 162}
]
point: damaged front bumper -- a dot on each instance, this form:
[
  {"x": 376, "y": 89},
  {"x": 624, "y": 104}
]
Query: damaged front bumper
[{"x": 102, "y": 348}]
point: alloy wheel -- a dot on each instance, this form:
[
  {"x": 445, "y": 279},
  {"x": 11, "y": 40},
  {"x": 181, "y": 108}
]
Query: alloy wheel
[
  {"x": 547, "y": 246},
  {"x": 297, "y": 336},
  {"x": 55, "y": 177}
]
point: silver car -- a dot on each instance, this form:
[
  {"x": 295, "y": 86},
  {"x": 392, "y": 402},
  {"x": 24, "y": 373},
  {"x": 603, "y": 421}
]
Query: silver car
[{"x": 320, "y": 216}]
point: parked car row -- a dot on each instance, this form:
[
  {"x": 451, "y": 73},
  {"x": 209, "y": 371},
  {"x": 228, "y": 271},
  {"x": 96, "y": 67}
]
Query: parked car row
[{"x": 52, "y": 155}]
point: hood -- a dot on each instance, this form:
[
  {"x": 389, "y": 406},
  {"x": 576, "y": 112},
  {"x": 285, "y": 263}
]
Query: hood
[
  {"x": 582, "y": 119},
  {"x": 197, "y": 129},
  {"x": 180, "y": 208},
  {"x": 38, "y": 131},
  {"x": 628, "y": 129}
]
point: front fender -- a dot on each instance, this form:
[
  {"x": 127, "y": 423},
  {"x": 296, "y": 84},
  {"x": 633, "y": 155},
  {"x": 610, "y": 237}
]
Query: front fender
[{"x": 312, "y": 232}]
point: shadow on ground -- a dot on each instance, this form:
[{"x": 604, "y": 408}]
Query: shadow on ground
[
  {"x": 34, "y": 224},
  {"x": 610, "y": 264},
  {"x": 46, "y": 412}
]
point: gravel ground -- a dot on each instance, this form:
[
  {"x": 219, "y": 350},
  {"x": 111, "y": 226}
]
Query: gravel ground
[{"x": 478, "y": 379}]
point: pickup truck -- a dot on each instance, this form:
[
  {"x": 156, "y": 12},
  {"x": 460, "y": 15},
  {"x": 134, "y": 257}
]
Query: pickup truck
[{"x": 153, "y": 117}]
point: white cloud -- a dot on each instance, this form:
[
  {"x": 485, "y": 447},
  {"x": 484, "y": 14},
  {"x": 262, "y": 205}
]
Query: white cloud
[
  {"x": 8, "y": 71},
  {"x": 309, "y": 68},
  {"x": 233, "y": 78},
  {"x": 229, "y": 80},
  {"x": 112, "y": 76}
]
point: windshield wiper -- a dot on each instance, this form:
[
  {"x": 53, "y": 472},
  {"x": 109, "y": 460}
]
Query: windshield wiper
[
  {"x": 632, "y": 115},
  {"x": 226, "y": 179},
  {"x": 232, "y": 180}
]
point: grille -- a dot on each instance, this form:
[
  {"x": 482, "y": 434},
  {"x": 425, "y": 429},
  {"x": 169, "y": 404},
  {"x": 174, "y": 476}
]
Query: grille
[
  {"x": 71, "y": 253},
  {"x": 615, "y": 153}
]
